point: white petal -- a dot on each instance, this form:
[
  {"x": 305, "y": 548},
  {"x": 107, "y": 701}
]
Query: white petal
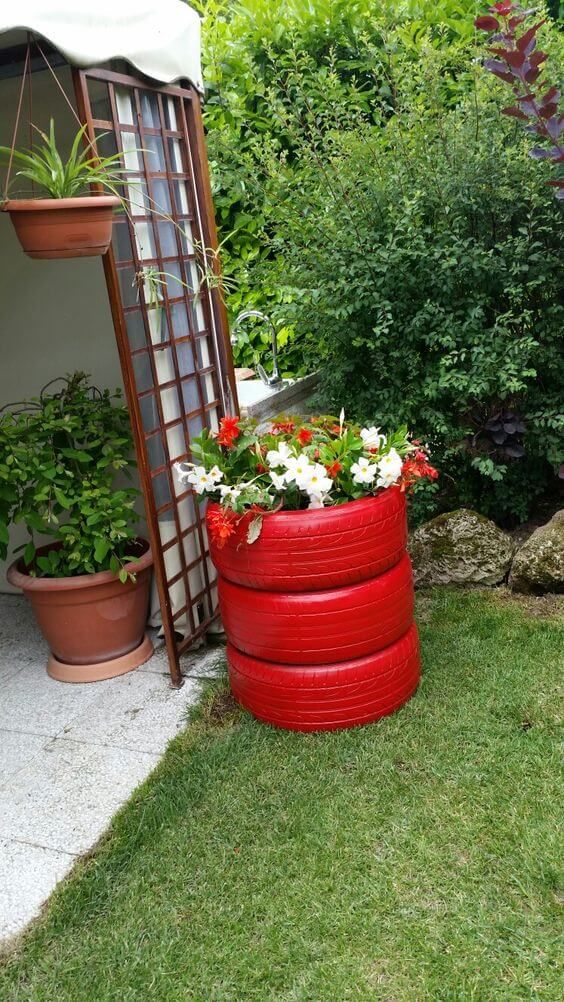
[
  {"x": 316, "y": 501},
  {"x": 278, "y": 479},
  {"x": 273, "y": 458}
]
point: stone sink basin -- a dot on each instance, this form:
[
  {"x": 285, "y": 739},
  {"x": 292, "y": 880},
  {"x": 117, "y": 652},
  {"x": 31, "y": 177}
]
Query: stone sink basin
[{"x": 259, "y": 401}]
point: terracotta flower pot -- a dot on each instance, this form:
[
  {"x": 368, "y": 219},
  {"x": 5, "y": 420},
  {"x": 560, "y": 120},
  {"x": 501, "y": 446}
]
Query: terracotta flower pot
[
  {"x": 63, "y": 227},
  {"x": 318, "y": 613},
  {"x": 94, "y": 624}
]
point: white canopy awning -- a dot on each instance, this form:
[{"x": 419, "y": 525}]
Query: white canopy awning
[{"x": 161, "y": 38}]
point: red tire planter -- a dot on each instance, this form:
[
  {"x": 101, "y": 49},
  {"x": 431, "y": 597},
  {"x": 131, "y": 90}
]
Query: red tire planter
[
  {"x": 310, "y": 550},
  {"x": 319, "y": 615}
]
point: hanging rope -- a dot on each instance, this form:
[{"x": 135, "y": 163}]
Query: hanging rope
[
  {"x": 58, "y": 82},
  {"x": 17, "y": 122},
  {"x": 27, "y": 73},
  {"x": 30, "y": 104}
]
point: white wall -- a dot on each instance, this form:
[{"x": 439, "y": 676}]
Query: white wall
[{"x": 54, "y": 315}]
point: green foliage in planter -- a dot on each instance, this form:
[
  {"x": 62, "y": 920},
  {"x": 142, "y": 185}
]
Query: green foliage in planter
[
  {"x": 58, "y": 178},
  {"x": 60, "y": 454},
  {"x": 426, "y": 258}
]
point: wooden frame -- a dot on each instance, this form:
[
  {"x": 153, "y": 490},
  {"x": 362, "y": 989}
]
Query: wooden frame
[{"x": 176, "y": 350}]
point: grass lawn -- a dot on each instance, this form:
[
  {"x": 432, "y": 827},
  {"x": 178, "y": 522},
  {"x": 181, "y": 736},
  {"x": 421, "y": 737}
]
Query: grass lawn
[{"x": 413, "y": 859}]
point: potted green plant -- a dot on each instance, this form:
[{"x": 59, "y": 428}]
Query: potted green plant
[
  {"x": 60, "y": 456},
  {"x": 72, "y": 220}
]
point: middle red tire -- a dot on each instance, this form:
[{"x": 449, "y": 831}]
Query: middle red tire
[{"x": 320, "y": 627}]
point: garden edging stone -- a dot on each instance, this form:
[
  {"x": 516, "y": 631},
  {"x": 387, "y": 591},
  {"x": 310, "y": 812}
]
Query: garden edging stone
[
  {"x": 539, "y": 564},
  {"x": 460, "y": 547}
]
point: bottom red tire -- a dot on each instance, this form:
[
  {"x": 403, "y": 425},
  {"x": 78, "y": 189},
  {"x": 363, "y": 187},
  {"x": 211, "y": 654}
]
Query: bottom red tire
[{"x": 327, "y": 697}]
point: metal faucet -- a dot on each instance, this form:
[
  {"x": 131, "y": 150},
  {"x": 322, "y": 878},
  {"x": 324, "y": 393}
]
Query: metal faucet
[{"x": 275, "y": 378}]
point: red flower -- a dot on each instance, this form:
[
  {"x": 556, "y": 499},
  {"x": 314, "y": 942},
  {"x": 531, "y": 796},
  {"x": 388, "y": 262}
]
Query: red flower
[
  {"x": 335, "y": 429},
  {"x": 228, "y": 431},
  {"x": 333, "y": 469},
  {"x": 304, "y": 436},
  {"x": 283, "y": 427},
  {"x": 221, "y": 524},
  {"x": 261, "y": 468},
  {"x": 415, "y": 468}
]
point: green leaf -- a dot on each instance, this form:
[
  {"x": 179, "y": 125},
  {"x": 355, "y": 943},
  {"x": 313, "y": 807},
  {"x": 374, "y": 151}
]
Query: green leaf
[
  {"x": 63, "y": 500},
  {"x": 34, "y": 521},
  {"x": 29, "y": 553},
  {"x": 79, "y": 454},
  {"x": 101, "y": 550}
]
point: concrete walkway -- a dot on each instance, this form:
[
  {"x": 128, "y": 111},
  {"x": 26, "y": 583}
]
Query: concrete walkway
[{"x": 70, "y": 755}]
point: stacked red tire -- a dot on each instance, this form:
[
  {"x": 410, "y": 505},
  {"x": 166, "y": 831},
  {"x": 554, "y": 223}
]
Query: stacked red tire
[{"x": 318, "y": 613}]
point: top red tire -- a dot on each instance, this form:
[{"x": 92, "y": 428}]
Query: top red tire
[{"x": 314, "y": 550}]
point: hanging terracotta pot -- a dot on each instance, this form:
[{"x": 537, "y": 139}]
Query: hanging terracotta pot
[
  {"x": 94, "y": 624},
  {"x": 63, "y": 227}
]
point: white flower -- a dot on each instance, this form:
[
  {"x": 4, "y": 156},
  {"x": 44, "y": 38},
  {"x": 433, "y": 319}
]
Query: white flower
[
  {"x": 200, "y": 480},
  {"x": 198, "y": 477},
  {"x": 316, "y": 501},
  {"x": 300, "y": 470},
  {"x": 389, "y": 469},
  {"x": 215, "y": 474},
  {"x": 279, "y": 480},
  {"x": 280, "y": 456},
  {"x": 319, "y": 483},
  {"x": 364, "y": 471},
  {"x": 182, "y": 473},
  {"x": 372, "y": 438},
  {"x": 229, "y": 493}
]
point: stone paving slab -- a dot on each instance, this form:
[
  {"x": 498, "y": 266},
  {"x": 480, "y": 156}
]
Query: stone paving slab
[
  {"x": 14, "y": 624},
  {"x": 16, "y": 750},
  {"x": 34, "y": 703},
  {"x": 28, "y": 875},
  {"x": 65, "y": 797},
  {"x": 138, "y": 716},
  {"x": 71, "y": 755}
]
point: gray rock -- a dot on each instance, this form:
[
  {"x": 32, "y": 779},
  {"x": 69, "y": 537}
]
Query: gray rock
[
  {"x": 539, "y": 565},
  {"x": 460, "y": 547}
]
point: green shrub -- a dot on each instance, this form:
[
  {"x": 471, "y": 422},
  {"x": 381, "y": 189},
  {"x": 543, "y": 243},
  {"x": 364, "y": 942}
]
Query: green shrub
[
  {"x": 426, "y": 261},
  {"x": 377, "y": 204},
  {"x": 276, "y": 67}
]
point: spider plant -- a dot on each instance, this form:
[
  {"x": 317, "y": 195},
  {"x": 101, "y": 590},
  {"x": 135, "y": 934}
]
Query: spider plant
[{"x": 66, "y": 179}]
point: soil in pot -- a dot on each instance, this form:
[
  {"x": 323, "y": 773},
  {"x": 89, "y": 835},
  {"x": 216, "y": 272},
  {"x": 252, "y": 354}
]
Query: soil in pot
[
  {"x": 63, "y": 227},
  {"x": 94, "y": 624}
]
